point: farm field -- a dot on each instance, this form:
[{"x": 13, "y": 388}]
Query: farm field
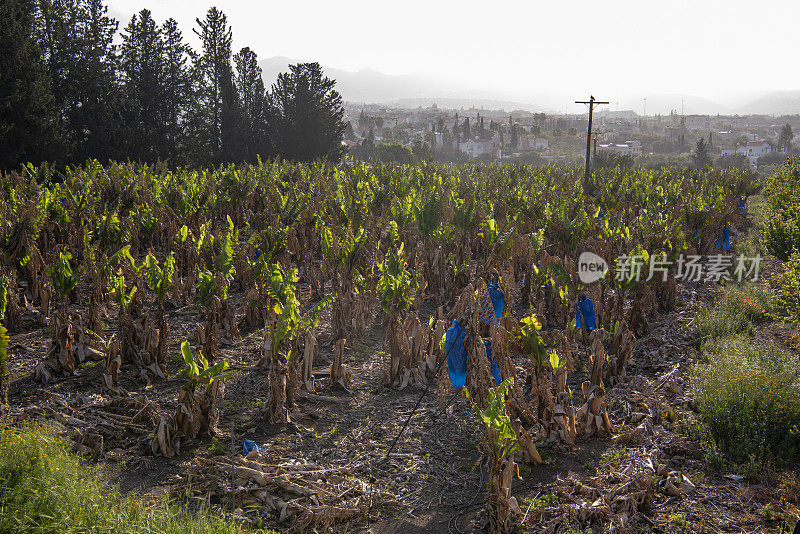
[{"x": 159, "y": 321}]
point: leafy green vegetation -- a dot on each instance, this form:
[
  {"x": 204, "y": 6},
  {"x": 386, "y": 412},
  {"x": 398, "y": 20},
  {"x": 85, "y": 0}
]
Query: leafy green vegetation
[
  {"x": 737, "y": 310},
  {"x": 782, "y": 227},
  {"x": 750, "y": 395},
  {"x": 44, "y": 488},
  {"x": 787, "y": 288}
]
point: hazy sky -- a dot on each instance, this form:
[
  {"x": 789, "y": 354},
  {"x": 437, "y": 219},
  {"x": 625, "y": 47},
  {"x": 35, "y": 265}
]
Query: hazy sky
[{"x": 720, "y": 49}]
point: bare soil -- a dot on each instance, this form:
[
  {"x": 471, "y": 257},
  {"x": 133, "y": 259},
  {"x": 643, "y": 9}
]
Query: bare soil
[{"x": 436, "y": 473}]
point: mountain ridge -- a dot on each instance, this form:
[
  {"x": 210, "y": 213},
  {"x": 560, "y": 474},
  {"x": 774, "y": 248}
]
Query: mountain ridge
[{"x": 370, "y": 86}]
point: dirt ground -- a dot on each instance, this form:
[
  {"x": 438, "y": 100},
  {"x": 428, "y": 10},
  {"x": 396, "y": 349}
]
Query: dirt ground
[{"x": 435, "y": 473}]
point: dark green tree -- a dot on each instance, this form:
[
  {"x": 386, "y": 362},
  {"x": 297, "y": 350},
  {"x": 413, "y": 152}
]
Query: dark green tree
[
  {"x": 514, "y": 133},
  {"x": 786, "y": 137},
  {"x": 76, "y": 38},
  {"x": 701, "y": 157},
  {"x": 308, "y": 114},
  {"x": 28, "y": 118},
  {"x": 94, "y": 109},
  {"x": 177, "y": 87},
  {"x": 143, "y": 69},
  {"x": 254, "y": 110},
  {"x": 213, "y": 117}
]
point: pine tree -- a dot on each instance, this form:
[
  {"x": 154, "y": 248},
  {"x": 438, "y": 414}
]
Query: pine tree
[
  {"x": 308, "y": 114},
  {"x": 212, "y": 122},
  {"x": 514, "y": 134},
  {"x": 177, "y": 86},
  {"x": 95, "y": 104},
  {"x": 142, "y": 63},
  {"x": 253, "y": 101},
  {"x": 28, "y": 119}
]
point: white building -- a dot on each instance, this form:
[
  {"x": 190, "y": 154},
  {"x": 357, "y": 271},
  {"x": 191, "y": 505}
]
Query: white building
[
  {"x": 534, "y": 143},
  {"x": 479, "y": 147},
  {"x": 628, "y": 148},
  {"x": 752, "y": 151}
]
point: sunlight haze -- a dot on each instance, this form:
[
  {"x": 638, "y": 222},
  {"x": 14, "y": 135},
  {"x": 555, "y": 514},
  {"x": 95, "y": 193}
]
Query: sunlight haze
[{"x": 539, "y": 52}]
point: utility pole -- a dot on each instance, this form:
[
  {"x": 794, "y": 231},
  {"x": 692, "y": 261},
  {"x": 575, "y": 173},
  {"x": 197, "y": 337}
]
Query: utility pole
[{"x": 592, "y": 103}]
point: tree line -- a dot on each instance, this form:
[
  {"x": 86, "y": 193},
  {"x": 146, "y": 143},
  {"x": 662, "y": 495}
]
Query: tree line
[{"x": 70, "y": 92}]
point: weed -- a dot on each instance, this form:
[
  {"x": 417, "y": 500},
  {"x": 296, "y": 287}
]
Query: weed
[
  {"x": 678, "y": 519},
  {"x": 749, "y": 393},
  {"x": 216, "y": 448},
  {"x": 737, "y": 310},
  {"x": 44, "y": 488}
]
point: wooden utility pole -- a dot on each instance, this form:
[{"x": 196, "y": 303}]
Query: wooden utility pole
[{"x": 592, "y": 103}]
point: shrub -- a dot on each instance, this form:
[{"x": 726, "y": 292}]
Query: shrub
[
  {"x": 737, "y": 310},
  {"x": 45, "y": 488},
  {"x": 750, "y": 396},
  {"x": 787, "y": 289},
  {"x": 782, "y": 227},
  {"x": 782, "y": 234}
]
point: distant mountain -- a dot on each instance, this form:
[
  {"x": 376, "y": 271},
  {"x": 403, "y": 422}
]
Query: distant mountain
[
  {"x": 777, "y": 103},
  {"x": 408, "y": 90}
]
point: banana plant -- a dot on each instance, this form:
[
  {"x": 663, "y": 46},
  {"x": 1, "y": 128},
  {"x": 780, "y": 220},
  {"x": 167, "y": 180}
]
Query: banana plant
[
  {"x": 501, "y": 442},
  {"x": 396, "y": 289},
  {"x": 199, "y": 396},
  {"x": 285, "y": 324},
  {"x": 64, "y": 279},
  {"x": 159, "y": 280},
  {"x": 346, "y": 259}
]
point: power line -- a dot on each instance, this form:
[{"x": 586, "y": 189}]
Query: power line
[{"x": 592, "y": 103}]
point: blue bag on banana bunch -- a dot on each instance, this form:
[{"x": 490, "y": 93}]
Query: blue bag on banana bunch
[
  {"x": 741, "y": 206},
  {"x": 724, "y": 241},
  {"x": 457, "y": 356},
  {"x": 493, "y": 303},
  {"x": 585, "y": 311},
  {"x": 493, "y": 367}
]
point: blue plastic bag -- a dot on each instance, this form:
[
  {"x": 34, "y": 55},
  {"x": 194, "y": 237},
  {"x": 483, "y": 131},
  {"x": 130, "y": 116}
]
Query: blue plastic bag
[
  {"x": 493, "y": 303},
  {"x": 456, "y": 354},
  {"x": 724, "y": 241},
  {"x": 498, "y": 378},
  {"x": 249, "y": 446},
  {"x": 585, "y": 310},
  {"x": 741, "y": 206}
]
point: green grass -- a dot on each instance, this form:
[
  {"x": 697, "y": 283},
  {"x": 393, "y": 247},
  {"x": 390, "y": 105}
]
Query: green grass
[
  {"x": 749, "y": 393},
  {"x": 752, "y": 243},
  {"x": 737, "y": 310},
  {"x": 46, "y": 489}
]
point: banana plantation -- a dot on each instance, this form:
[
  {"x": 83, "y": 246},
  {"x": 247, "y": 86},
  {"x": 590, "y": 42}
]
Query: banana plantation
[{"x": 314, "y": 348}]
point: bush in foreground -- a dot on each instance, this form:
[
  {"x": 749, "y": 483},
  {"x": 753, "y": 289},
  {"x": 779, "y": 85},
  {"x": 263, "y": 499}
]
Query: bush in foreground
[
  {"x": 737, "y": 310},
  {"x": 44, "y": 488},
  {"x": 749, "y": 393}
]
